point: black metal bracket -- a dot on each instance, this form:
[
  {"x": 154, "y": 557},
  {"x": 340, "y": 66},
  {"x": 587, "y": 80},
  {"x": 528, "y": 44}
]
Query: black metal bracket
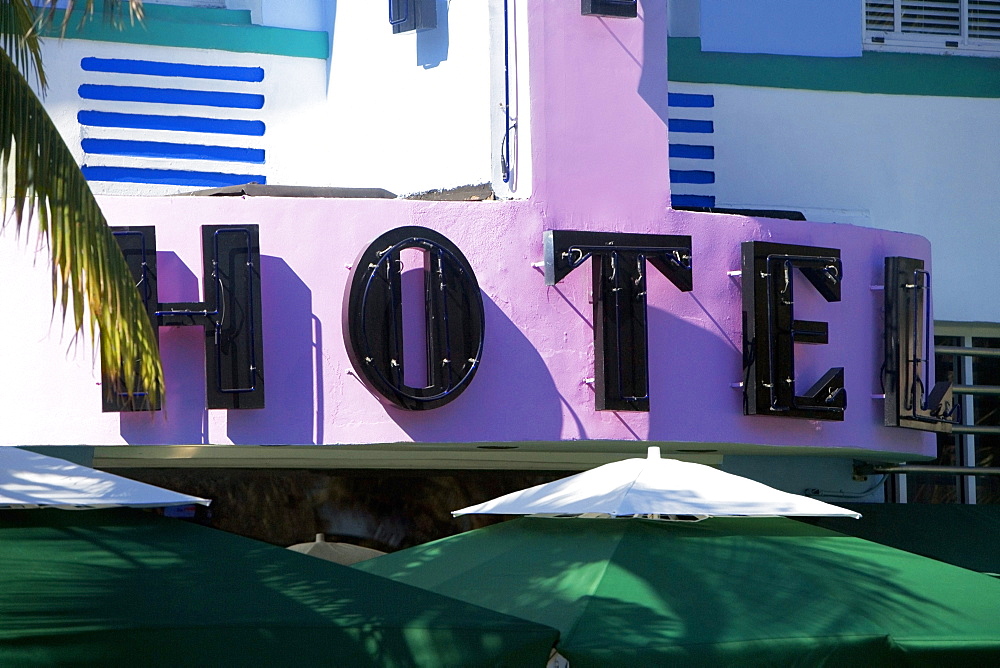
[
  {"x": 408, "y": 15},
  {"x": 621, "y": 347}
]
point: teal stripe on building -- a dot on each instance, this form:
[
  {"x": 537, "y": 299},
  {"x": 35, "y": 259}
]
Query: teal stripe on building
[
  {"x": 873, "y": 72},
  {"x": 194, "y": 28}
]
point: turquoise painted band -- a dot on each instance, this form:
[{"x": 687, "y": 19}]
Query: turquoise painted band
[
  {"x": 195, "y": 28},
  {"x": 874, "y": 72}
]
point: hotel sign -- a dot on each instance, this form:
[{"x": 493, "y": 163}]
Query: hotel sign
[{"x": 454, "y": 324}]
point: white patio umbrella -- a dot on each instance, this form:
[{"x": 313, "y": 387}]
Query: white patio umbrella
[
  {"x": 653, "y": 486},
  {"x": 31, "y": 480},
  {"x": 340, "y": 553}
]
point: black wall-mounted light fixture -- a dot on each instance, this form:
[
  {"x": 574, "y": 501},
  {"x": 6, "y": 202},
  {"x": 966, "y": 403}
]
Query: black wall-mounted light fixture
[
  {"x": 621, "y": 8},
  {"x": 908, "y": 345},
  {"x": 621, "y": 347},
  {"x": 373, "y": 319},
  {"x": 770, "y": 330},
  {"x": 230, "y": 314},
  {"x": 407, "y": 15}
]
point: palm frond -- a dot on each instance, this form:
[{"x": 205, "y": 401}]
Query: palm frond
[
  {"x": 19, "y": 39},
  {"x": 113, "y": 12},
  {"x": 89, "y": 276}
]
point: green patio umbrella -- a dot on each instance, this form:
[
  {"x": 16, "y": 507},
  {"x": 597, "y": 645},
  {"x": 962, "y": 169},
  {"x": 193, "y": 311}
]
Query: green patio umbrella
[
  {"x": 966, "y": 535},
  {"x": 127, "y": 587},
  {"x": 724, "y": 591}
]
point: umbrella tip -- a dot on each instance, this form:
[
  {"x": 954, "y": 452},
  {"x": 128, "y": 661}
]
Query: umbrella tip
[
  {"x": 653, "y": 452},
  {"x": 320, "y": 538}
]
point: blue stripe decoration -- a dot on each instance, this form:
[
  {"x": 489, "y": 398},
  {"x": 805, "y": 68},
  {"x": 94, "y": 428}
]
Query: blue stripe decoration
[
  {"x": 162, "y": 69},
  {"x": 219, "y": 126},
  {"x": 685, "y": 125},
  {"x": 696, "y": 151},
  {"x": 154, "y": 149},
  {"x": 707, "y": 201},
  {"x": 691, "y": 176},
  {"x": 692, "y": 151},
  {"x": 690, "y": 100},
  {"x": 171, "y": 96},
  {"x": 174, "y": 177}
]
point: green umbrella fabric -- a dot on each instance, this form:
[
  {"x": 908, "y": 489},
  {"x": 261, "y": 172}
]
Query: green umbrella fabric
[
  {"x": 962, "y": 534},
  {"x": 732, "y": 591},
  {"x": 127, "y": 587}
]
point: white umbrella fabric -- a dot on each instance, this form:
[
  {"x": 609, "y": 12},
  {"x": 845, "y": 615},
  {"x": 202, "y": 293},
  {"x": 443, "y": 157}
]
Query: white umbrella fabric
[
  {"x": 31, "y": 480},
  {"x": 656, "y": 487}
]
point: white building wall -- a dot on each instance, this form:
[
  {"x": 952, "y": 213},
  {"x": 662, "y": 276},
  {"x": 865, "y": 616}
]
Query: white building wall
[
  {"x": 407, "y": 112},
  {"x": 925, "y": 165}
]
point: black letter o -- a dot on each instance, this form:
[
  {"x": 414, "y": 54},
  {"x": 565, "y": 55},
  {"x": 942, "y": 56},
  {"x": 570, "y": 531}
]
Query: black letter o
[{"x": 373, "y": 322}]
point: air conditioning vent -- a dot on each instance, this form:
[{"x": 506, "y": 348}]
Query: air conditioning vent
[
  {"x": 971, "y": 26},
  {"x": 621, "y": 8},
  {"x": 880, "y": 16},
  {"x": 984, "y": 19},
  {"x": 941, "y": 17}
]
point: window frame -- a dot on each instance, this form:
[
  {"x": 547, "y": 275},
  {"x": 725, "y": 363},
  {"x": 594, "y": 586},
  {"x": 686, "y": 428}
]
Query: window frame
[{"x": 964, "y": 442}]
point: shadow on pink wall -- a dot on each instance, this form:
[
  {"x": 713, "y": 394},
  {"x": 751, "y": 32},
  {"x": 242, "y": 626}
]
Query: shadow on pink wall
[
  {"x": 183, "y": 418},
  {"x": 513, "y": 381},
  {"x": 293, "y": 355}
]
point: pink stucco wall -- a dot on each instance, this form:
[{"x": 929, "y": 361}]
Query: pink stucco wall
[
  {"x": 599, "y": 159},
  {"x": 539, "y": 340},
  {"x": 598, "y": 95}
]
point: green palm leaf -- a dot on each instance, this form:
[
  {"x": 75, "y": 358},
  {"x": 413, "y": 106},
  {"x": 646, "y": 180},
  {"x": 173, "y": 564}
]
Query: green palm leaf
[{"x": 42, "y": 184}]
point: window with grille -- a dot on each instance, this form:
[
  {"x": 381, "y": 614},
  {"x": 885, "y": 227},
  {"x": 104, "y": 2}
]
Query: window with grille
[
  {"x": 971, "y": 27},
  {"x": 967, "y": 354}
]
